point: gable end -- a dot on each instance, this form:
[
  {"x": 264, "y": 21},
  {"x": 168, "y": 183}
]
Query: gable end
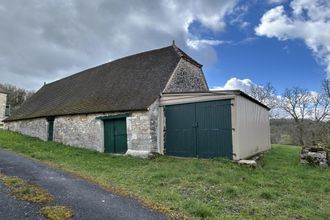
[{"x": 186, "y": 77}]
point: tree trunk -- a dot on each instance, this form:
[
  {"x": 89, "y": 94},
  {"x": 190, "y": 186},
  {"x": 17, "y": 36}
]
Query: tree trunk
[
  {"x": 301, "y": 134},
  {"x": 313, "y": 138}
]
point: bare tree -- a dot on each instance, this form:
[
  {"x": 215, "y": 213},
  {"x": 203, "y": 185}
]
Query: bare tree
[
  {"x": 320, "y": 104},
  {"x": 320, "y": 111},
  {"x": 265, "y": 94},
  {"x": 326, "y": 87},
  {"x": 296, "y": 102}
]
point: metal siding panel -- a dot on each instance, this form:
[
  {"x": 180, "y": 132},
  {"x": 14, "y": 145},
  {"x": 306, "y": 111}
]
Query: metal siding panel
[
  {"x": 180, "y": 133},
  {"x": 252, "y": 127}
]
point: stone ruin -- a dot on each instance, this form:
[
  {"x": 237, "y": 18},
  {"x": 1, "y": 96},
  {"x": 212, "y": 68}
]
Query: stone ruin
[{"x": 316, "y": 155}]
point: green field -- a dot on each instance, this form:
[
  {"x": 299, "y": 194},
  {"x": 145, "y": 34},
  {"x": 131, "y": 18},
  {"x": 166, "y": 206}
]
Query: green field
[{"x": 216, "y": 189}]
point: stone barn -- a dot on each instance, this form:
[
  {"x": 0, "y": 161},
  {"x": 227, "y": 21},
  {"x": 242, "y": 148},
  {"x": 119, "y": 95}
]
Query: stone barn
[{"x": 155, "y": 101}]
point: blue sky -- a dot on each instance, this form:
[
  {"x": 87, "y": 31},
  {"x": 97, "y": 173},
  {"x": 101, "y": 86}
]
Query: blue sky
[
  {"x": 284, "y": 63},
  {"x": 239, "y": 42}
]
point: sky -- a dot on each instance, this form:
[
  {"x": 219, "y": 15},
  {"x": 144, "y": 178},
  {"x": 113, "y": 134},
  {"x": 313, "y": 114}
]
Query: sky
[{"x": 239, "y": 42}]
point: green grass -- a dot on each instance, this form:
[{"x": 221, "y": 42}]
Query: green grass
[{"x": 214, "y": 189}]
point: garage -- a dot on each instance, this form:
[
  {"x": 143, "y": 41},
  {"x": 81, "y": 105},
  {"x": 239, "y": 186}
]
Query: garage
[
  {"x": 200, "y": 129},
  {"x": 228, "y": 124}
]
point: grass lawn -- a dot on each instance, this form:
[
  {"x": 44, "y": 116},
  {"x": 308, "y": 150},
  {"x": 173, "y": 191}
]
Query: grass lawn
[{"x": 215, "y": 189}]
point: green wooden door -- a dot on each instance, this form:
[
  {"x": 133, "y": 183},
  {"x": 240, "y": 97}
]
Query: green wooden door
[
  {"x": 214, "y": 131},
  {"x": 50, "y": 130},
  {"x": 180, "y": 132},
  {"x": 115, "y": 136},
  {"x": 199, "y": 129}
]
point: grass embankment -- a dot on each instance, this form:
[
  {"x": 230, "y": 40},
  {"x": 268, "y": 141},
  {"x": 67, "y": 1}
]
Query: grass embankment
[{"x": 218, "y": 189}]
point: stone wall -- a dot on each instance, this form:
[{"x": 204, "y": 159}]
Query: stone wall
[
  {"x": 86, "y": 131},
  {"x": 3, "y": 100},
  {"x": 83, "y": 131},
  {"x": 187, "y": 78},
  {"x": 142, "y": 130},
  {"x": 316, "y": 155},
  {"x": 34, "y": 127}
]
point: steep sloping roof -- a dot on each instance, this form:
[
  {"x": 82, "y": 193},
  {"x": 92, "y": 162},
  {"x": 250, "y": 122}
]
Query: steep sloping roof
[{"x": 127, "y": 84}]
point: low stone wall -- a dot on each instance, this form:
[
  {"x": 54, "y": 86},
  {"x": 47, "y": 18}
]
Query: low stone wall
[
  {"x": 34, "y": 127},
  {"x": 315, "y": 155}
]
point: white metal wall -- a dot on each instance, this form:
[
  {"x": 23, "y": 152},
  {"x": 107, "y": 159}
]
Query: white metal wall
[{"x": 252, "y": 130}]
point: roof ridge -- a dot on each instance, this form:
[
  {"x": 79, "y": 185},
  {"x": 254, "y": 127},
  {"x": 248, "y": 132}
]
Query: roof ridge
[
  {"x": 178, "y": 51},
  {"x": 107, "y": 63},
  {"x": 185, "y": 56}
]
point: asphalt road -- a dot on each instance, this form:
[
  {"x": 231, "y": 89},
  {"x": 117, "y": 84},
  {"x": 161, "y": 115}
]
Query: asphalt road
[{"x": 88, "y": 200}]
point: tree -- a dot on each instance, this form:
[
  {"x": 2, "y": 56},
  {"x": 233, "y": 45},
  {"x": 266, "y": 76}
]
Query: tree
[
  {"x": 326, "y": 87},
  {"x": 16, "y": 96},
  {"x": 296, "y": 103},
  {"x": 320, "y": 110},
  {"x": 319, "y": 106},
  {"x": 265, "y": 94}
]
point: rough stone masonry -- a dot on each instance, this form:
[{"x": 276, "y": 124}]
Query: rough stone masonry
[{"x": 316, "y": 155}]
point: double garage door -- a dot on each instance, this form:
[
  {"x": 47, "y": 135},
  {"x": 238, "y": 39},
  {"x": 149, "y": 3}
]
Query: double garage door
[{"x": 202, "y": 129}]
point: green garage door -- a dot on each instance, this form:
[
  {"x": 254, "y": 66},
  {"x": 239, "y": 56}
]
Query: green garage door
[
  {"x": 200, "y": 129},
  {"x": 115, "y": 136}
]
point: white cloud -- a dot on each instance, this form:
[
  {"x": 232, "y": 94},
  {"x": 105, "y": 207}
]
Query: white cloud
[
  {"x": 197, "y": 44},
  {"x": 276, "y": 1},
  {"x": 238, "y": 15},
  {"x": 235, "y": 83},
  {"x": 245, "y": 86},
  {"x": 310, "y": 21},
  {"x": 46, "y": 40}
]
